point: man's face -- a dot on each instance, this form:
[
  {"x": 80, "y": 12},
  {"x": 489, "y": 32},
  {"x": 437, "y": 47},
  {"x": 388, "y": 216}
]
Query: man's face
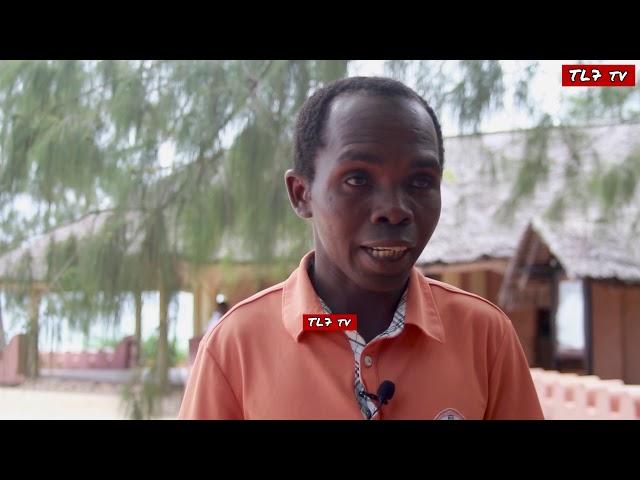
[{"x": 375, "y": 198}]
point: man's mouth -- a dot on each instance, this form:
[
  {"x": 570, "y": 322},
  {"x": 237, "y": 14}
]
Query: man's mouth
[{"x": 387, "y": 253}]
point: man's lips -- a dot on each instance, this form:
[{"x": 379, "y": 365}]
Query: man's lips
[{"x": 388, "y": 249}]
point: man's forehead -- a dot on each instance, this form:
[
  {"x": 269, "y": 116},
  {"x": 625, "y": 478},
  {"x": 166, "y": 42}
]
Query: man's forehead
[
  {"x": 357, "y": 114},
  {"x": 365, "y": 100}
]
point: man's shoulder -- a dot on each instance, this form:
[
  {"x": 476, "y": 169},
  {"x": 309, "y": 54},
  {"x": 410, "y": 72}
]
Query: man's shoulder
[
  {"x": 258, "y": 300},
  {"x": 250, "y": 313},
  {"x": 451, "y": 299}
]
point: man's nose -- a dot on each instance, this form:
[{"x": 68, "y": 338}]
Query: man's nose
[{"x": 391, "y": 207}]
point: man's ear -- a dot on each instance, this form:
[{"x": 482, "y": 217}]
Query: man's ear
[{"x": 299, "y": 190}]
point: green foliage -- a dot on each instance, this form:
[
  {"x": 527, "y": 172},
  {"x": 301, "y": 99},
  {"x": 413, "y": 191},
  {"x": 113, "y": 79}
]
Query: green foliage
[
  {"x": 467, "y": 89},
  {"x": 617, "y": 184},
  {"x": 603, "y": 105},
  {"x": 480, "y": 90},
  {"x": 82, "y": 140},
  {"x": 149, "y": 352},
  {"x": 534, "y": 166}
]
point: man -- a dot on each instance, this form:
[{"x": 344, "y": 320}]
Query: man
[{"x": 368, "y": 165}]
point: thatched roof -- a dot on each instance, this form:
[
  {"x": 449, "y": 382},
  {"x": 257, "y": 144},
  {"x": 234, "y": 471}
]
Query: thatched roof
[
  {"x": 470, "y": 228},
  {"x": 593, "y": 250},
  {"x": 36, "y": 249}
]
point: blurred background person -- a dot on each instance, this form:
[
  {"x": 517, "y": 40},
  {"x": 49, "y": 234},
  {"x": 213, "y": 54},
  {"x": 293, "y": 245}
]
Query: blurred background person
[{"x": 221, "y": 308}]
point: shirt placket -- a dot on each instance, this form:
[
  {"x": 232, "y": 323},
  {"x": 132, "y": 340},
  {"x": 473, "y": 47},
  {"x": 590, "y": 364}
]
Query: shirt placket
[{"x": 359, "y": 345}]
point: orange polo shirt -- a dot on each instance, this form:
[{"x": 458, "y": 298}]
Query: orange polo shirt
[{"x": 458, "y": 357}]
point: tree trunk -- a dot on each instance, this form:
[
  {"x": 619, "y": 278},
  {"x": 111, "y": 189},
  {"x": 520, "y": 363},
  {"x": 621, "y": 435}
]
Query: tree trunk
[
  {"x": 138, "y": 332},
  {"x": 163, "y": 341},
  {"x": 32, "y": 334},
  {"x": 3, "y": 339},
  {"x": 197, "y": 309}
]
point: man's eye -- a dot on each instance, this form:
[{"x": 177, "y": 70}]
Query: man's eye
[
  {"x": 356, "y": 181},
  {"x": 422, "y": 182}
]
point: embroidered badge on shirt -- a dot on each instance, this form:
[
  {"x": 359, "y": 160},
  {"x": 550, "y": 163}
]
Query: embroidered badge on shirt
[{"x": 449, "y": 414}]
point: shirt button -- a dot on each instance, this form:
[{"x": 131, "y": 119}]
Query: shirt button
[{"x": 368, "y": 361}]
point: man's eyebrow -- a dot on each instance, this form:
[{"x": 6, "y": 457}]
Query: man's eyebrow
[
  {"x": 358, "y": 155},
  {"x": 429, "y": 161}
]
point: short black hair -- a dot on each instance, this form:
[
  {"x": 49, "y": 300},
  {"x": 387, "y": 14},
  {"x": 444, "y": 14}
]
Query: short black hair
[{"x": 312, "y": 116}]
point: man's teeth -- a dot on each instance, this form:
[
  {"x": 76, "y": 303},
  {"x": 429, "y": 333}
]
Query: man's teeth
[{"x": 386, "y": 252}]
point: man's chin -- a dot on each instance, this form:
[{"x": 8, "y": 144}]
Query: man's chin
[{"x": 381, "y": 283}]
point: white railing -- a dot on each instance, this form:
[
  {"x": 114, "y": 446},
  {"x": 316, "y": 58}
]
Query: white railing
[{"x": 567, "y": 396}]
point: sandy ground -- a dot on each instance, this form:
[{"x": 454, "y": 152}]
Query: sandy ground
[
  {"x": 22, "y": 404},
  {"x": 50, "y": 399}
]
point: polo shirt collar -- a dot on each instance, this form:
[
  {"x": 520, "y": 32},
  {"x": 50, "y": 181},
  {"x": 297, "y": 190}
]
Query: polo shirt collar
[{"x": 299, "y": 297}]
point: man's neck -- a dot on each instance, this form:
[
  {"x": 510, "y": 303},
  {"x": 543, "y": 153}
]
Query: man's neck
[{"x": 374, "y": 309}]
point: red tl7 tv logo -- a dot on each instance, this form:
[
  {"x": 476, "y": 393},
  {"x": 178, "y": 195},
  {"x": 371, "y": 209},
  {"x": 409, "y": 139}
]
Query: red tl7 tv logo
[
  {"x": 330, "y": 322},
  {"x": 598, "y": 75}
]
